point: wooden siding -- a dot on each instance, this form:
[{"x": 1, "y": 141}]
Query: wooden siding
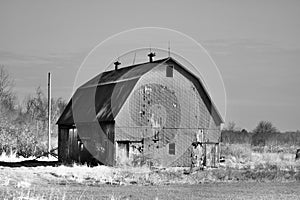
[
  {"x": 89, "y": 143},
  {"x": 170, "y": 107},
  {"x": 98, "y": 139},
  {"x": 67, "y": 144}
]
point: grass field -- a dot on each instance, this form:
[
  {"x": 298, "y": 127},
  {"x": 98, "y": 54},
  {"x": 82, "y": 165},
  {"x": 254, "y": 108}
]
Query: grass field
[
  {"x": 246, "y": 174},
  {"x": 241, "y": 190},
  {"x": 82, "y": 182}
]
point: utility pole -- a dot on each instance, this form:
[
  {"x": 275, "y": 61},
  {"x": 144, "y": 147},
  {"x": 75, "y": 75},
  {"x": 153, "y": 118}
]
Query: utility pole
[{"x": 49, "y": 113}]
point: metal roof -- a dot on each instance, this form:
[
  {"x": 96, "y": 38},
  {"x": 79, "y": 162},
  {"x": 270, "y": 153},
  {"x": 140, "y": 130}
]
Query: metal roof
[{"x": 102, "y": 97}]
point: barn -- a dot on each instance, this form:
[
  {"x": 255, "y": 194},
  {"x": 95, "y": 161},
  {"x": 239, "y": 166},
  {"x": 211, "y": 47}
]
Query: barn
[{"x": 151, "y": 112}]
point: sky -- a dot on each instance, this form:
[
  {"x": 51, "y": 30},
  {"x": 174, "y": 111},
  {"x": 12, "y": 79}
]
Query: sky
[{"x": 255, "y": 45}]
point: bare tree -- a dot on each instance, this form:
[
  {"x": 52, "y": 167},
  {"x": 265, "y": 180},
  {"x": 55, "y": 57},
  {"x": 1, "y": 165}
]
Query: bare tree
[
  {"x": 36, "y": 109},
  {"x": 265, "y": 127},
  {"x": 7, "y": 97},
  {"x": 231, "y": 126},
  {"x": 23, "y": 127},
  {"x": 36, "y": 106},
  {"x": 58, "y": 106}
]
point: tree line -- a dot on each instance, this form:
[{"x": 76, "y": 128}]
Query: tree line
[
  {"x": 23, "y": 126},
  {"x": 264, "y": 134}
]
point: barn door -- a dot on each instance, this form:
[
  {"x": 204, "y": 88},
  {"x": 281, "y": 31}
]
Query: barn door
[
  {"x": 73, "y": 144},
  {"x": 211, "y": 154},
  {"x": 63, "y": 146},
  {"x": 122, "y": 151}
]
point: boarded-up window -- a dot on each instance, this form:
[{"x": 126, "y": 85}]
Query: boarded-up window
[
  {"x": 169, "y": 71},
  {"x": 172, "y": 148}
]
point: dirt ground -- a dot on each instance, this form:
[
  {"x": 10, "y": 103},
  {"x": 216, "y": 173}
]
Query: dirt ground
[{"x": 242, "y": 190}]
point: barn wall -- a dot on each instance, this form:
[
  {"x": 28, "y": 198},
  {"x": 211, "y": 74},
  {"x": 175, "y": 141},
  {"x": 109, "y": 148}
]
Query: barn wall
[
  {"x": 170, "y": 108},
  {"x": 87, "y": 143},
  {"x": 98, "y": 142},
  {"x": 62, "y": 144},
  {"x": 67, "y": 144}
]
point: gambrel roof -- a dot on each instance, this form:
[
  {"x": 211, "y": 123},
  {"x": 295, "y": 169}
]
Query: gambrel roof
[{"x": 93, "y": 100}]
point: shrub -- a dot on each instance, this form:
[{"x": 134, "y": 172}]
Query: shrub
[
  {"x": 236, "y": 137},
  {"x": 237, "y": 151},
  {"x": 22, "y": 142},
  {"x": 22, "y": 127},
  {"x": 275, "y": 141},
  {"x": 265, "y": 127}
]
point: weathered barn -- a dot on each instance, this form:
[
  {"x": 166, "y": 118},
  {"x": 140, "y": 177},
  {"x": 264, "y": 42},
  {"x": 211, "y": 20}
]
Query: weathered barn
[{"x": 152, "y": 111}]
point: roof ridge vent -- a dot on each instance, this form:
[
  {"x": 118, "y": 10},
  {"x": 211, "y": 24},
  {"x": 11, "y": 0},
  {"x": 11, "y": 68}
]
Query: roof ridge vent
[
  {"x": 117, "y": 63},
  {"x": 151, "y": 55}
]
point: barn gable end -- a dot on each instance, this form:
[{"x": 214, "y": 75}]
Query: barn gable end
[{"x": 179, "y": 112}]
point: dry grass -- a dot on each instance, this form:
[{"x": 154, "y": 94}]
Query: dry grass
[
  {"x": 242, "y": 156},
  {"x": 242, "y": 164},
  {"x": 229, "y": 190},
  {"x": 12, "y": 157}
]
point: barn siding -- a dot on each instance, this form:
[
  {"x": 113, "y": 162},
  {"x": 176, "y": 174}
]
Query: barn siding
[
  {"x": 63, "y": 151},
  {"x": 189, "y": 115},
  {"x": 98, "y": 140},
  {"x": 67, "y": 144},
  {"x": 88, "y": 143}
]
